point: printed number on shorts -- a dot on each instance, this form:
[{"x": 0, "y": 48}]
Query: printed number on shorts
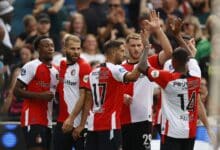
[{"x": 147, "y": 139}]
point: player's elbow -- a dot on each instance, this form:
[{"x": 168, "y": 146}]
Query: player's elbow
[
  {"x": 168, "y": 52},
  {"x": 17, "y": 92}
]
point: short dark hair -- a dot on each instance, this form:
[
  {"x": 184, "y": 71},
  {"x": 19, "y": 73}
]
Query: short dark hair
[
  {"x": 38, "y": 40},
  {"x": 181, "y": 55},
  {"x": 111, "y": 45}
]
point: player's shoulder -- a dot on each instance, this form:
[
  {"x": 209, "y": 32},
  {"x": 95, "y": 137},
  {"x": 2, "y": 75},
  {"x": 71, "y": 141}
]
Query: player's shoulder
[
  {"x": 33, "y": 63},
  {"x": 115, "y": 68},
  {"x": 83, "y": 62}
]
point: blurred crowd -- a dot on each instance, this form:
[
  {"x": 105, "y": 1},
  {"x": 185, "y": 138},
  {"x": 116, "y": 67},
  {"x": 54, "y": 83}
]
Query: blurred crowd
[{"x": 94, "y": 22}]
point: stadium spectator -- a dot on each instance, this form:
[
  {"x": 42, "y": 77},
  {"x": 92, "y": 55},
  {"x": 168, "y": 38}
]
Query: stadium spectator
[
  {"x": 100, "y": 7},
  {"x": 90, "y": 50},
  {"x": 43, "y": 28},
  {"x": 12, "y": 104},
  {"x": 116, "y": 25},
  {"x": 191, "y": 26},
  {"x": 30, "y": 25},
  {"x": 170, "y": 7},
  {"x": 78, "y": 26},
  {"x": 201, "y": 9},
  {"x": 89, "y": 14},
  {"x": 6, "y": 10}
]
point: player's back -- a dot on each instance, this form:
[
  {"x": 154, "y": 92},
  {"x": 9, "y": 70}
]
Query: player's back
[
  {"x": 106, "y": 87},
  {"x": 179, "y": 107}
]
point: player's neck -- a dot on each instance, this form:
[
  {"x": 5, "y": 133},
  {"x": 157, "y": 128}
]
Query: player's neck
[
  {"x": 68, "y": 62},
  {"x": 132, "y": 61},
  {"x": 109, "y": 59},
  {"x": 181, "y": 70},
  {"x": 46, "y": 62}
]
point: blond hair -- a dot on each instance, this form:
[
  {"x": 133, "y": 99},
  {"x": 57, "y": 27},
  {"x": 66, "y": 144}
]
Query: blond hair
[
  {"x": 70, "y": 37},
  {"x": 194, "y": 21},
  {"x": 134, "y": 36}
]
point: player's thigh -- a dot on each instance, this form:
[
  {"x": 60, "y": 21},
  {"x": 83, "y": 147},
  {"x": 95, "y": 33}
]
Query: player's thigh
[
  {"x": 142, "y": 135},
  {"x": 79, "y": 144},
  {"x": 126, "y": 132},
  {"x": 62, "y": 140},
  {"x": 91, "y": 141},
  {"x": 188, "y": 144},
  {"x": 168, "y": 143},
  {"x": 109, "y": 140},
  {"x": 37, "y": 136}
]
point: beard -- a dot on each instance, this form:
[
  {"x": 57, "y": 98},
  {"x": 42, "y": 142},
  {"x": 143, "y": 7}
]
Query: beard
[{"x": 71, "y": 59}]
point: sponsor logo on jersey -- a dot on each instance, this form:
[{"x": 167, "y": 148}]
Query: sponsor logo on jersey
[
  {"x": 68, "y": 82},
  {"x": 180, "y": 84},
  {"x": 43, "y": 84},
  {"x": 73, "y": 72}
]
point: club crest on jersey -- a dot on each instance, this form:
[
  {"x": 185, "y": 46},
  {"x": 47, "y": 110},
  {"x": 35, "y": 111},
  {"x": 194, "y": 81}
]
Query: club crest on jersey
[
  {"x": 23, "y": 72},
  {"x": 155, "y": 73},
  {"x": 85, "y": 78},
  {"x": 73, "y": 72}
]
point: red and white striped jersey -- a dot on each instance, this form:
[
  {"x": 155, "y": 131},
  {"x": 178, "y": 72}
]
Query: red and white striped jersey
[
  {"x": 141, "y": 92},
  {"x": 194, "y": 70},
  {"x": 179, "y": 102},
  {"x": 106, "y": 86},
  {"x": 38, "y": 77},
  {"x": 71, "y": 79}
]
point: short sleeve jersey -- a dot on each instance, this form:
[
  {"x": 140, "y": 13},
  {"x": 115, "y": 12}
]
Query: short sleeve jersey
[
  {"x": 141, "y": 107},
  {"x": 71, "y": 79},
  {"x": 179, "y": 102},
  {"x": 106, "y": 86},
  {"x": 38, "y": 77}
]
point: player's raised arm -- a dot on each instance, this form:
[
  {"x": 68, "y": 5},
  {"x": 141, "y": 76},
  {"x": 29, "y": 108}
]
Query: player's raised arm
[
  {"x": 154, "y": 25},
  {"x": 175, "y": 25}
]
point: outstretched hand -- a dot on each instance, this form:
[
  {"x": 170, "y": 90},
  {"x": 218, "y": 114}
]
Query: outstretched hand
[{"x": 154, "y": 21}]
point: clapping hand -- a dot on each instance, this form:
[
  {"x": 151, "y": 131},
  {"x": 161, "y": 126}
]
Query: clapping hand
[{"x": 175, "y": 25}]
